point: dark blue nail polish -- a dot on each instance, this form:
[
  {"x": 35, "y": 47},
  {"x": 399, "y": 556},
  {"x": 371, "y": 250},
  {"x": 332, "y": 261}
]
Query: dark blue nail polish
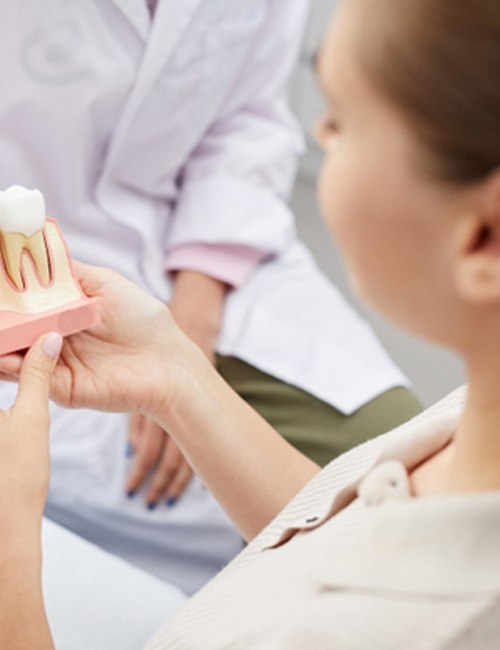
[
  {"x": 131, "y": 493},
  {"x": 152, "y": 506},
  {"x": 129, "y": 451},
  {"x": 171, "y": 502}
]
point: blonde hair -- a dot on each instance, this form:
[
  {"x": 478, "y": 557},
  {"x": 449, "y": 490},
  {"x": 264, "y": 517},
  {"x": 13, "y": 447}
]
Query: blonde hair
[{"x": 438, "y": 61}]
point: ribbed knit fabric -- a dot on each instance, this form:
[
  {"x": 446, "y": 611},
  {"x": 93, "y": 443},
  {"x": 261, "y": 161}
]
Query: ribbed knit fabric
[{"x": 418, "y": 574}]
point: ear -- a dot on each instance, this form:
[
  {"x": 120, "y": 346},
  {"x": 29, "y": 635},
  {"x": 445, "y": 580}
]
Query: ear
[{"x": 477, "y": 272}]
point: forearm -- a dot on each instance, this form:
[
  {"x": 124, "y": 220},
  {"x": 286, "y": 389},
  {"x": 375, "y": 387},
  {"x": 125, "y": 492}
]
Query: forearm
[
  {"x": 251, "y": 470},
  {"x": 23, "y": 622},
  {"x": 197, "y": 305},
  {"x": 245, "y": 463}
]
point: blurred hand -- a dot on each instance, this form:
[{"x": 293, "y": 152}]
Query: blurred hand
[
  {"x": 196, "y": 306},
  {"x": 156, "y": 453}
]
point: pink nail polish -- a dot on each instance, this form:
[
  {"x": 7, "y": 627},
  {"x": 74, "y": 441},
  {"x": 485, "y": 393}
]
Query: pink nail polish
[{"x": 52, "y": 345}]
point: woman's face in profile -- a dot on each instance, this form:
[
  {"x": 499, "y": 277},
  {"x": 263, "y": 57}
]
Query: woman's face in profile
[{"x": 390, "y": 220}]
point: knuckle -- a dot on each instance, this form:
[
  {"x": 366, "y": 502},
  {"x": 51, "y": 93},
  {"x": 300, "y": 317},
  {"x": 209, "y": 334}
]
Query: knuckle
[
  {"x": 134, "y": 425},
  {"x": 141, "y": 468},
  {"x": 162, "y": 481},
  {"x": 154, "y": 495},
  {"x": 39, "y": 371},
  {"x": 148, "y": 457},
  {"x": 153, "y": 443},
  {"x": 179, "y": 485},
  {"x": 158, "y": 485},
  {"x": 169, "y": 466},
  {"x": 153, "y": 427},
  {"x": 176, "y": 490},
  {"x": 134, "y": 479}
]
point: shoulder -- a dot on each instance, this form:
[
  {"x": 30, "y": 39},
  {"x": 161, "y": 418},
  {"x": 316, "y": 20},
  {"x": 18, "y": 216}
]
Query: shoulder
[{"x": 337, "y": 483}]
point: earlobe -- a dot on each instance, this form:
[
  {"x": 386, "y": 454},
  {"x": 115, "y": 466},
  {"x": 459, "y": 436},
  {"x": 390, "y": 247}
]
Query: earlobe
[
  {"x": 478, "y": 280},
  {"x": 478, "y": 252}
]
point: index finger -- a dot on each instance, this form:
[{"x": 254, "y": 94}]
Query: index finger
[{"x": 10, "y": 364}]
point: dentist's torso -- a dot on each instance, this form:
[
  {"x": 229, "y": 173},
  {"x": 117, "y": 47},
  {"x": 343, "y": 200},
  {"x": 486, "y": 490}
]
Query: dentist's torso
[
  {"x": 103, "y": 107},
  {"x": 103, "y": 110}
]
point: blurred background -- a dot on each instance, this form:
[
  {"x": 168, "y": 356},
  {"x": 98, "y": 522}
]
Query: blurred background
[{"x": 433, "y": 371}]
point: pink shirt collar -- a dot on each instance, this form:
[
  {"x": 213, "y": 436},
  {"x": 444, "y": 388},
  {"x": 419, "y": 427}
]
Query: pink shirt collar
[{"x": 152, "y": 5}]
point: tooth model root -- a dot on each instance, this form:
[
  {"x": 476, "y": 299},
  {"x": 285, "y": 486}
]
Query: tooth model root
[
  {"x": 38, "y": 250},
  {"x": 13, "y": 245}
]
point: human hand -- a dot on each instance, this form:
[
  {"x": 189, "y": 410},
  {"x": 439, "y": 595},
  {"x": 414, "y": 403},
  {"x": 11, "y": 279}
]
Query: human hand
[
  {"x": 24, "y": 450},
  {"x": 196, "y": 306},
  {"x": 156, "y": 452},
  {"x": 129, "y": 362}
]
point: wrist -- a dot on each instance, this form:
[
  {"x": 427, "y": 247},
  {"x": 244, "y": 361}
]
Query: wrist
[
  {"x": 23, "y": 621},
  {"x": 198, "y": 301},
  {"x": 20, "y": 536},
  {"x": 172, "y": 391},
  {"x": 21, "y": 560}
]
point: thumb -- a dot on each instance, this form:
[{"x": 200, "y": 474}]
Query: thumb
[{"x": 36, "y": 372}]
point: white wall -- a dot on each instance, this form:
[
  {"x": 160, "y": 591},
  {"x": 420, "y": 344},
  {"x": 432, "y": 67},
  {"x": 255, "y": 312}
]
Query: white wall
[{"x": 432, "y": 370}]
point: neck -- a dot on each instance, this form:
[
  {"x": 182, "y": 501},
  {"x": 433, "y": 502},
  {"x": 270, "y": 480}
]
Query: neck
[
  {"x": 471, "y": 461},
  {"x": 474, "y": 455}
]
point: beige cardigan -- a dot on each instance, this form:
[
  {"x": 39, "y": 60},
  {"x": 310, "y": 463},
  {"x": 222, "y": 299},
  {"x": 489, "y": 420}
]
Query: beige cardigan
[{"x": 381, "y": 571}]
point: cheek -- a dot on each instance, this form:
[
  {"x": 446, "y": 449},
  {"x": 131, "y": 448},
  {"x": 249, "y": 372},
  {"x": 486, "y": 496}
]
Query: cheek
[
  {"x": 353, "y": 210},
  {"x": 331, "y": 194},
  {"x": 344, "y": 208}
]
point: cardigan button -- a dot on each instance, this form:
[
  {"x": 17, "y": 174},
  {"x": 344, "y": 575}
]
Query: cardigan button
[
  {"x": 312, "y": 520},
  {"x": 386, "y": 482}
]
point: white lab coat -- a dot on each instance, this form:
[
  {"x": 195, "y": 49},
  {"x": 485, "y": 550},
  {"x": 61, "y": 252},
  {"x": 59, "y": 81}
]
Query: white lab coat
[
  {"x": 147, "y": 136},
  {"x": 95, "y": 600}
]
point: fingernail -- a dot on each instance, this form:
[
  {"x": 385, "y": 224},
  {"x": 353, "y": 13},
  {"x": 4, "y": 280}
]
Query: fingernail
[
  {"x": 171, "y": 501},
  {"x": 152, "y": 506},
  {"x": 129, "y": 451},
  {"x": 52, "y": 345},
  {"x": 131, "y": 493}
]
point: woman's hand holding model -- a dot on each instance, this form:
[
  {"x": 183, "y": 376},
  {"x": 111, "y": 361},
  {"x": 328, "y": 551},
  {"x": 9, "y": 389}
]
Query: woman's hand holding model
[
  {"x": 139, "y": 360},
  {"x": 197, "y": 305}
]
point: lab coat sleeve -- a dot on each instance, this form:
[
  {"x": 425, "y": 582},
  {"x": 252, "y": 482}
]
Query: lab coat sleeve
[
  {"x": 228, "y": 263},
  {"x": 236, "y": 183}
]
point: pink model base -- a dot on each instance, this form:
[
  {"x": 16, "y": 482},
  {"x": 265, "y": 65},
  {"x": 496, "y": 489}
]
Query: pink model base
[{"x": 19, "y": 331}]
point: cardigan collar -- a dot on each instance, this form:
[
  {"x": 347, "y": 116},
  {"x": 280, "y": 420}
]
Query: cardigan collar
[
  {"x": 440, "y": 546},
  {"x": 434, "y": 547},
  {"x": 409, "y": 444}
]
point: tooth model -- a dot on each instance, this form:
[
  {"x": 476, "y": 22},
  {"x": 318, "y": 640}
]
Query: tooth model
[{"x": 38, "y": 290}]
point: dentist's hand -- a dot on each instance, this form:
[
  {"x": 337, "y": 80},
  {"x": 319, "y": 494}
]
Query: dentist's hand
[
  {"x": 126, "y": 363},
  {"x": 156, "y": 454},
  {"x": 197, "y": 305}
]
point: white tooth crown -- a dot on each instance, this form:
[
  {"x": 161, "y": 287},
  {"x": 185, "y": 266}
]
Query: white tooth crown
[
  {"x": 22, "y": 219},
  {"x": 21, "y": 210}
]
